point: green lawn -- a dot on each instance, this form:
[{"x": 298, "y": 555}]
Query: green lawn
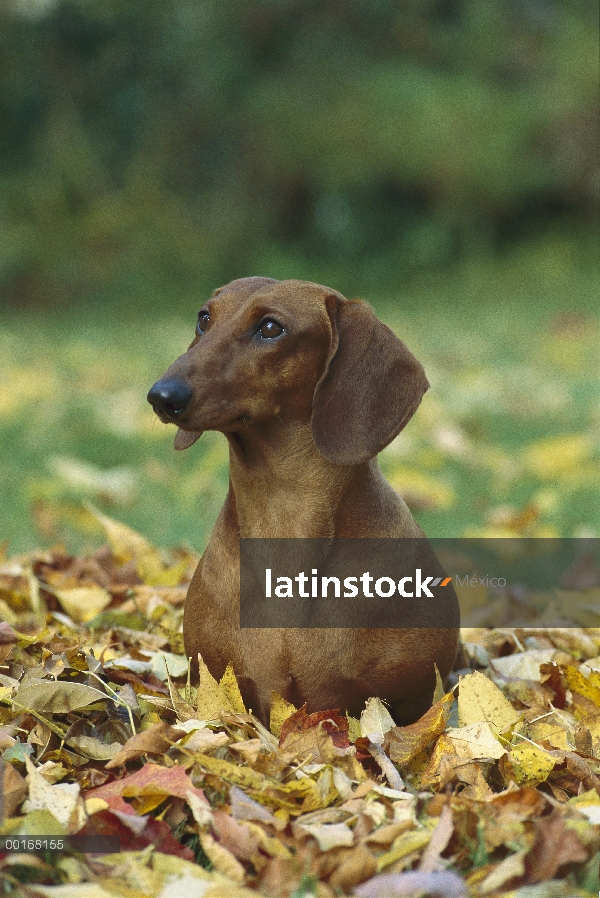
[{"x": 505, "y": 441}]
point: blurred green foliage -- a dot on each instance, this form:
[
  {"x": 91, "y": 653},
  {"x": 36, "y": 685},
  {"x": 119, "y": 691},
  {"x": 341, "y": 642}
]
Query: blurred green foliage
[
  {"x": 149, "y": 147},
  {"x": 438, "y": 157}
]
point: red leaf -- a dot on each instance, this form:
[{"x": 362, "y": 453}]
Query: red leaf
[
  {"x": 334, "y": 724},
  {"x": 152, "y": 779}
]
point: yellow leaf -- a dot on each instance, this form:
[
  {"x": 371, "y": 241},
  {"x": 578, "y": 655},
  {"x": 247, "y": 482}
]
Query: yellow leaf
[
  {"x": 578, "y": 683},
  {"x": 480, "y": 699},
  {"x": 296, "y": 797},
  {"x": 231, "y": 773},
  {"x": 475, "y": 741},
  {"x": 404, "y": 743},
  {"x": 222, "y": 860},
  {"x": 231, "y": 690},
  {"x": 438, "y": 693},
  {"x": 421, "y": 490},
  {"x": 554, "y": 457},
  {"x": 402, "y": 846},
  {"x": 61, "y": 799},
  {"x": 531, "y": 765},
  {"x": 23, "y": 639},
  {"x": 83, "y": 603},
  {"x": 211, "y": 698},
  {"x": 269, "y": 844},
  {"x": 128, "y": 545},
  {"x": 280, "y": 711},
  {"x": 353, "y": 728}
]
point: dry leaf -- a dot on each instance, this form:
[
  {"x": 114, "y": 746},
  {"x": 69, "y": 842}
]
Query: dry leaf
[
  {"x": 155, "y": 741},
  {"x": 212, "y": 698},
  {"x": 475, "y": 741},
  {"x": 62, "y": 800},
  {"x": 403, "y": 743},
  {"x": 280, "y": 711},
  {"x": 231, "y": 690},
  {"x": 480, "y": 699},
  {"x": 56, "y": 696},
  {"x": 222, "y": 860},
  {"x": 375, "y": 720},
  {"x": 83, "y": 603},
  {"x": 531, "y": 765},
  {"x": 328, "y": 835},
  {"x": 14, "y": 790}
]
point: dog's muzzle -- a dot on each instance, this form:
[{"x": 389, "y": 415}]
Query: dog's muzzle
[{"x": 169, "y": 398}]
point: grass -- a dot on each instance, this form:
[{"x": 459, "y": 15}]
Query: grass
[{"x": 505, "y": 441}]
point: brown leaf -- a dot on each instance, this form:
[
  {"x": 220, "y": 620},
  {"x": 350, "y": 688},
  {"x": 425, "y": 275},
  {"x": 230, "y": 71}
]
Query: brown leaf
[
  {"x": 154, "y": 741},
  {"x": 555, "y": 846},
  {"x": 236, "y": 837},
  {"x": 14, "y": 790},
  {"x": 403, "y": 743},
  {"x": 7, "y": 634},
  {"x": 440, "y": 837},
  {"x": 358, "y": 865},
  {"x": 334, "y": 723},
  {"x": 221, "y": 858}
]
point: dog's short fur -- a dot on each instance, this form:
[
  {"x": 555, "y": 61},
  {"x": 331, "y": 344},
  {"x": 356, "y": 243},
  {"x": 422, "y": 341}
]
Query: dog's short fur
[{"x": 306, "y": 403}]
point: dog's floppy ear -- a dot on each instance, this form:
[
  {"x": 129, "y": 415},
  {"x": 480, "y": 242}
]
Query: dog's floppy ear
[{"x": 370, "y": 389}]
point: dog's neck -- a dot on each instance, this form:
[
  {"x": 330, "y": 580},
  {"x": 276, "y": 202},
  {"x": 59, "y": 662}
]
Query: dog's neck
[{"x": 281, "y": 484}]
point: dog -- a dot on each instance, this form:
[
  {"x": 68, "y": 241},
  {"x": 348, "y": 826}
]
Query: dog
[{"x": 308, "y": 387}]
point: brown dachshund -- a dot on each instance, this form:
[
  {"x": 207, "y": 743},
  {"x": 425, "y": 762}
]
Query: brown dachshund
[{"x": 308, "y": 387}]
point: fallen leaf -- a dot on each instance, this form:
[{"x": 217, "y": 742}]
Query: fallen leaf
[
  {"x": 375, "y": 720},
  {"x": 236, "y": 837},
  {"x": 531, "y": 765},
  {"x": 212, "y": 697},
  {"x": 231, "y": 690},
  {"x": 358, "y": 865},
  {"x": 480, "y": 699},
  {"x": 280, "y": 711},
  {"x": 62, "y": 800},
  {"x": 83, "y": 603},
  {"x": 56, "y": 696},
  {"x": 14, "y": 790},
  {"x": 555, "y": 846},
  {"x": 245, "y": 808},
  {"x": 512, "y": 867},
  {"x": 149, "y": 786},
  {"x": 93, "y": 748},
  {"x": 440, "y": 838},
  {"x": 222, "y": 860},
  {"x": 328, "y": 835},
  {"x": 402, "y": 846},
  {"x": 156, "y": 740},
  {"x": 443, "y": 884},
  {"x": 128, "y": 545},
  {"x": 403, "y": 743},
  {"x": 475, "y": 741},
  {"x": 205, "y": 740}
]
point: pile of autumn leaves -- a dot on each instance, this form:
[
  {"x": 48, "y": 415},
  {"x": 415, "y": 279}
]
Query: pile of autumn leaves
[{"x": 494, "y": 792}]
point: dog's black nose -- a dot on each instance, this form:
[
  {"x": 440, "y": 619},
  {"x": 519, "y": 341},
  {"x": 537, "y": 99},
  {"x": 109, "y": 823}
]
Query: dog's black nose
[{"x": 169, "y": 397}]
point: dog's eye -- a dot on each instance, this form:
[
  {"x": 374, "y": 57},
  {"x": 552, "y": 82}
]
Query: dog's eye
[
  {"x": 269, "y": 329},
  {"x": 203, "y": 319}
]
